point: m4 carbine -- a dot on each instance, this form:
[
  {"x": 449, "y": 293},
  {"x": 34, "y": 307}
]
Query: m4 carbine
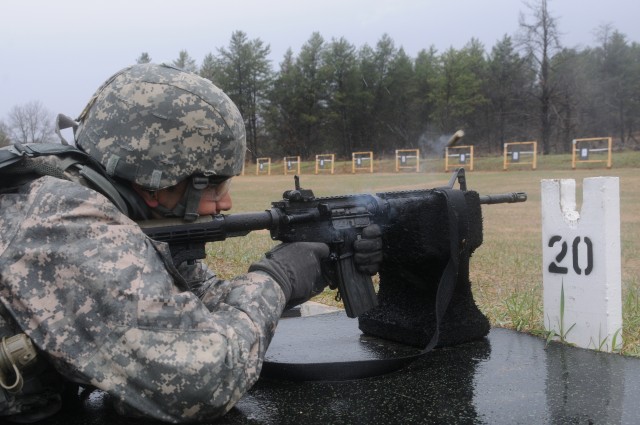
[{"x": 301, "y": 217}]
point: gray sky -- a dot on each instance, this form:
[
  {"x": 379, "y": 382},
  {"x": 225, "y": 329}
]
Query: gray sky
[{"x": 59, "y": 52}]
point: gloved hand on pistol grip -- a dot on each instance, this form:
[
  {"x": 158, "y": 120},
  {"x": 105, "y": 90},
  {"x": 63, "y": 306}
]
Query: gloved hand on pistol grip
[
  {"x": 368, "y": 250},
  {"x": 297, "y": 268}
]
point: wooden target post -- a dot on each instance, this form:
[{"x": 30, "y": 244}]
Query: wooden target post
[
  {"x": 325, "y": 162},
  {"x": 583, "y": 148},
  {"x": 405, "y": 159},
  {"x": 291, "y": 164},
  {"x": 362, "y": 161},
  {"x": 464, "y": 155},
  {"x": 263, "y": 164},
  {"x": 515, "y": 151}
]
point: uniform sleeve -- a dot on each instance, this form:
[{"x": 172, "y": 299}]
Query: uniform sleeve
[{"x": 94, "y": 293}]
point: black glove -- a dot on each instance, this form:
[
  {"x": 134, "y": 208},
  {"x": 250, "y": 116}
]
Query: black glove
[
  {"x": 297, "y": 268},
  {"x": 368, "y": 250}
]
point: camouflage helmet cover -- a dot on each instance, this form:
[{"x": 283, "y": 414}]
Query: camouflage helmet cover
[{"x": 157, "y": 125}]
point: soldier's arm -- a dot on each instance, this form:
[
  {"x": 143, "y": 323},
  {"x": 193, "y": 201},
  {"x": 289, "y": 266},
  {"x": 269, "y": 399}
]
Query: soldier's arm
[{"x": 95, "y": 294}]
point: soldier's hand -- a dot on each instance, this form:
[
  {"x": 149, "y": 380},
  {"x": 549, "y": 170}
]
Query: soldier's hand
[
  {"x": 297, "y": 268},
  {"x": 368, "y": 250}
]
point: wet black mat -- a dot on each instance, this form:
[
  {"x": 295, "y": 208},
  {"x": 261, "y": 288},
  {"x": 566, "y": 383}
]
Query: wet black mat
[
  {"x": 331, "y": 347},
  {"x": 506, "y": 378}
]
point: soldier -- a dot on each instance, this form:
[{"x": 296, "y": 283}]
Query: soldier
[{"x": 101, "y": 304}]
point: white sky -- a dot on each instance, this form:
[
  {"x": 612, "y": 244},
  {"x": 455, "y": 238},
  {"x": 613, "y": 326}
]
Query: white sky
[{"x": 59, "y": 52}]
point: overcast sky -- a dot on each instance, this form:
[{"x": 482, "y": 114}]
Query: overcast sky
[{"x": 59, "y": 52}]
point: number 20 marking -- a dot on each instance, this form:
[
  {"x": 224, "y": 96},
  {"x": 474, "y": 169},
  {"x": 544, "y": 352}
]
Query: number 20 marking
[{"x": 555, "y": 268}]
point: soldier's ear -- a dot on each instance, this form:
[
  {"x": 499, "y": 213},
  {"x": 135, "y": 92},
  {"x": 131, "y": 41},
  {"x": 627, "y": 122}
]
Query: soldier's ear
[{"x": 150, "y": 198}]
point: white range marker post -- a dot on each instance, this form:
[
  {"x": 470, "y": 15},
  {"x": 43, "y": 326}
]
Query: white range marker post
[{"x": 581, "y": 262}]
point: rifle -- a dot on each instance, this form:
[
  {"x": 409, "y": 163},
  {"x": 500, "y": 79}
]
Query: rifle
[{"x": 301, "y": 217}]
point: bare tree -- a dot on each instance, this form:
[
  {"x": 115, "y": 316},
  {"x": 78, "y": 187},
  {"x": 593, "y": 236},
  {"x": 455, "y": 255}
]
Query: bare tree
[
  {"x": 30, "y": 123},
  {"x": 540, "y": 39},
  {"x": 4, "y": 134}
]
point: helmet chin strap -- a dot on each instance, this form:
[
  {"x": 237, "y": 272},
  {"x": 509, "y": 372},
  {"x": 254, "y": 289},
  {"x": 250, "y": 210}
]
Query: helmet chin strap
[{"x": 187, "y": 208}]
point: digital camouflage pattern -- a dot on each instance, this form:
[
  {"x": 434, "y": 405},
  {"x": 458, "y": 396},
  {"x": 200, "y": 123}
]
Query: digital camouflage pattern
[
  {"x": 109, "y": 309},
  {"x": 156, "y": 125}
]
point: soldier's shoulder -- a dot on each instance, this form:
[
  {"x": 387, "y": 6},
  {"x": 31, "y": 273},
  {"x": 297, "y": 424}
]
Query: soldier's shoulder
[
  {"x": 51, "y": 194},
  {"x": 66, "y": 189}
]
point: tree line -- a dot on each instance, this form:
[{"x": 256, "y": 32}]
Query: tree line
[{"x": 335, "y": 97}]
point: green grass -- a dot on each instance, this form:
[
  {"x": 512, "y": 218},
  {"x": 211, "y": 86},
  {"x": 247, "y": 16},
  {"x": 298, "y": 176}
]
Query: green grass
[{"x": 506, "y": 271}]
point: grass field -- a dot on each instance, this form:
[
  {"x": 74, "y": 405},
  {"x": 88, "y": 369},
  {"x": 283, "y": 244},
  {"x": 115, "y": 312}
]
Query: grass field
[{"x": 506, "y": 271}]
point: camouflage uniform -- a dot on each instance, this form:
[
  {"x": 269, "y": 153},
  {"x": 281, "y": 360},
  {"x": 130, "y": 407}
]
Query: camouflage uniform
[
  {"x": 104, "y": 303},
  {"x": 110, "y": 310}
]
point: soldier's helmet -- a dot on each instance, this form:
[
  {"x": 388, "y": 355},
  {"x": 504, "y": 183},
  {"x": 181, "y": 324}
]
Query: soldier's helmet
[{"x": 157, "y": 125}]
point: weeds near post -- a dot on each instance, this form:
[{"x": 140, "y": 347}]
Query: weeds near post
[
  {"x": 522, "y": 309},
  {"x": 562, "y": 334},
  {"x": 614, "y": 342}
]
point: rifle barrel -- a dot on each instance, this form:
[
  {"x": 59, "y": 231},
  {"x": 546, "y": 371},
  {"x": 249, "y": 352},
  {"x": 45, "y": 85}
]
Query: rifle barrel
[{"x": 503, "y": 198}]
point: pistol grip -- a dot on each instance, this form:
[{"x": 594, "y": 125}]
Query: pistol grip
[{"x": 356, "y": 289}]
